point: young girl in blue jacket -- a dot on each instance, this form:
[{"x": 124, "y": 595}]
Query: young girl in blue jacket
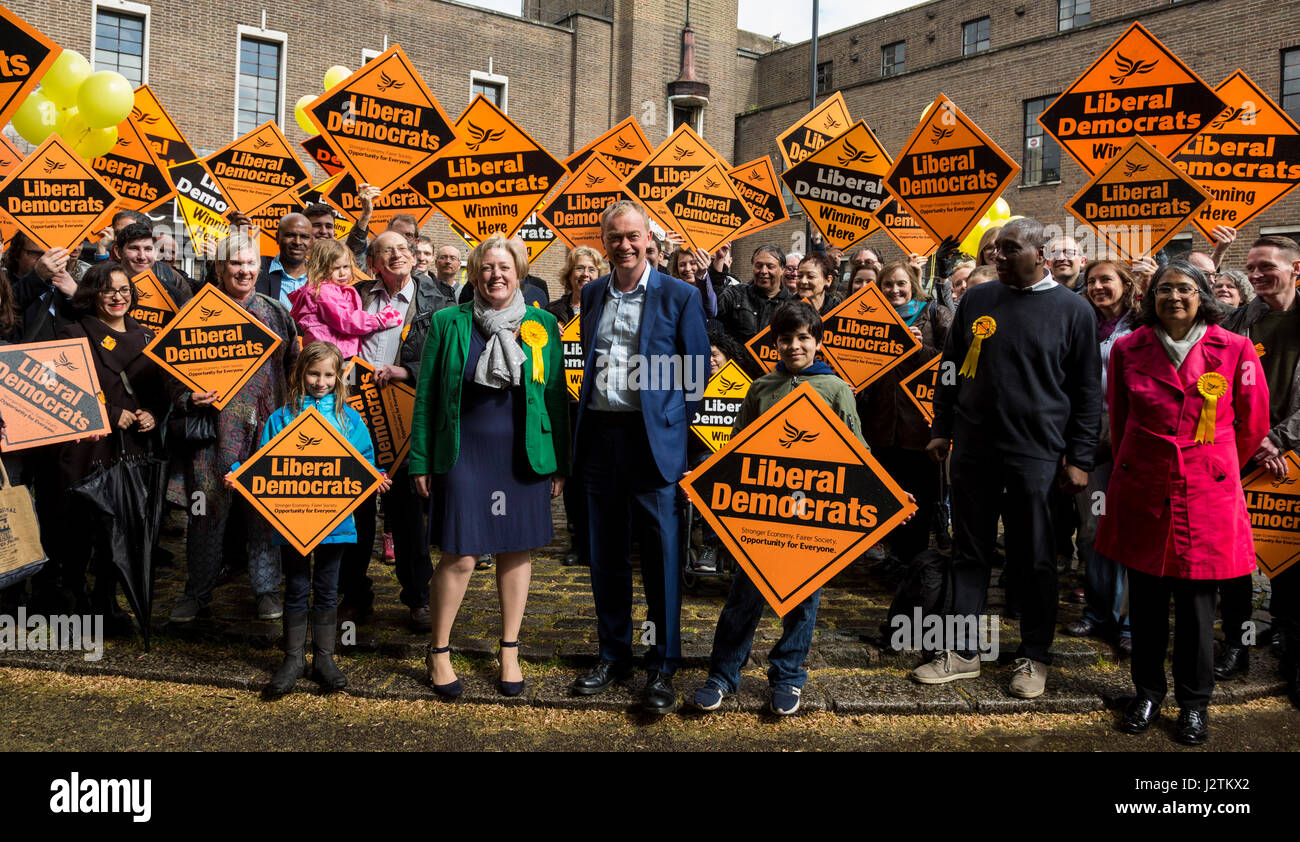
[{"x": 317, "y": 381}]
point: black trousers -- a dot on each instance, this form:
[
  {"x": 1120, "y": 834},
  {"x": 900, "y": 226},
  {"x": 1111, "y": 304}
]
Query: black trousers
[
  {"x": 575, "y": 504},
  {"x": 404, "y": 516},
  {"x": 1236, "y": 598},
  {"x": 1285, "y": 607},
  {"x": 985, "y": 484},
  {"x": 917, "y": 473},
  {"x": 1148, "y": 601}
]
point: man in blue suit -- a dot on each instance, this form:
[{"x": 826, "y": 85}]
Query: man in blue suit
[{"x": 647, "y": 352}]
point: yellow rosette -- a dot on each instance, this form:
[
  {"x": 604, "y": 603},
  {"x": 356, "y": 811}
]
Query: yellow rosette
[
  {"x": 982, "y": 329},
  {"x": 534, "y": 336},
  {"x": 1212, "y": 386}
]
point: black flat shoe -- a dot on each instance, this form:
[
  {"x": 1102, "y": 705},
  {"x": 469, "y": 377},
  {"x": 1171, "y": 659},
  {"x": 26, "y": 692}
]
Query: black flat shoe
[
  {"x": 1234, "y": 661},
  {"x": 601, "y": 676},
  {"x": 1193, "y": 726},
  {"x": 1139, "y": 715},
  {"x": 509, "y": 688},
  {"x": 451, "y": 690},
  {"x": 660, "y": 696}
]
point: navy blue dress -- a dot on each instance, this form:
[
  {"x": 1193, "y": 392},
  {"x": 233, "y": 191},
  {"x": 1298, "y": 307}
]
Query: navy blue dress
[{"x": 491, "y": 501}]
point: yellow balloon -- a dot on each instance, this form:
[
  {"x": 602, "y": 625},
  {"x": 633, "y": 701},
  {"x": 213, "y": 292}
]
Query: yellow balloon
[
  {"x": 925, "y": 112},
  {"x": 74, "y": 128},
  {"x": 37, "y": 118},
  {"x": 105, "y": 99},
  {"x": 62, "y": 81},
  {"x": 96, "y": 142},
  {"x": 972, "y": 242},
  {"x": 300, "y": 114},
  {"x": 999, "y": 210},
  {"x": 336, "y": 74}
]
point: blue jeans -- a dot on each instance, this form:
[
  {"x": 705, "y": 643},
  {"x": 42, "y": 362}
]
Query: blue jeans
[
  {"x": 735, "y": 637},
  {"x": 324, "y": 585}
]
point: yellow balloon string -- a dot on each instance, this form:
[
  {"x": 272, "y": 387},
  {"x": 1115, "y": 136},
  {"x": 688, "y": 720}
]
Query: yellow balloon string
[
  {"x": 1205, "y": 424},
  {"x": 972, "y": 360}
]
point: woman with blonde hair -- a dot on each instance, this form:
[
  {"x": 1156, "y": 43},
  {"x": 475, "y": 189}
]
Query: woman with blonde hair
[{"x": 490, "y": 447}]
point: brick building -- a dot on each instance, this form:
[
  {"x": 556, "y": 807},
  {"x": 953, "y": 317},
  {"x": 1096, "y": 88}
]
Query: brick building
[{"x": 568, "y": 69}]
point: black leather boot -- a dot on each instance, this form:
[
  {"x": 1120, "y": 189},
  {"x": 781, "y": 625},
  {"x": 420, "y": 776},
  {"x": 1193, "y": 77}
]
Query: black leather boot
[
  {"x": 324, "y": 633},
  {"x": 1234, "y": 661},
  {"x": 295, "y": 655}
]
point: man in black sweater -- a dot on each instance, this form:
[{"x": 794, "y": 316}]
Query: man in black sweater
[{"x": 1020, "y": 394}]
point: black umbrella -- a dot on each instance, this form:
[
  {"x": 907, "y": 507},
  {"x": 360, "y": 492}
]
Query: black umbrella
[{"x": 127, "y": 497}]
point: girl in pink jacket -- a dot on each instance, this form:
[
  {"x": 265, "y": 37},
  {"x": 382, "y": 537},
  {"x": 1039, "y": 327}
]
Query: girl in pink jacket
[{"x": 328, "y": 309}]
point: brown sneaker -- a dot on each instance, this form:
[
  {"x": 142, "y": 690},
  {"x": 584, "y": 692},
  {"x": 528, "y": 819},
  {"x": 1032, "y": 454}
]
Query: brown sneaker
[
  {"x": 947, "y": 666},
  {"x": 421, "y": 621},
  {"x": 1028, "y": 679}
]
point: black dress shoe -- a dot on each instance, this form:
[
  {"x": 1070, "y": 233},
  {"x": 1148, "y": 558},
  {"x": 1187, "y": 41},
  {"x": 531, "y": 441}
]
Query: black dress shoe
[
  {"x": 601, "y": 676},
  {"x": 1193, "y": 726},
  {"x": 660, "y": 696},
  {"x": 1234, "y": 661},
  {"x": 1139, "y": 715}
]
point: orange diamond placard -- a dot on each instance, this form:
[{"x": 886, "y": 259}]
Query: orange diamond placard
[
  {"x": 1273, "y": 504},
  {"x": 1138, "y": 202},
  {"x": 625, "y": 146},
  {"x": 164, "y": 136},
  {"x": 342, "y": 194},
  {"x": 763, "y": 349},
  {"x": 920, "y": 386},
  {"x": 387, "y": 411},
  {"x": 154, "y": 306},
  {"x": 318, "y": 149},
  {"x": 1247, "y": 158},
  {"x": 10, "y": 158},
  {"x": 840, "y": 185},
  {"x": 1137, "y": 87},
  {"x": 571, "y": 340},
  {"x": 133, "y": 171},
  {"x": 795, "y": 497},
  {"x": 816, "y": 129},
  {"x": 903, "y": 229},
  {"x": 758, "y": 188},
  {"x": 49, "y": 393},
  {"x": 717, "y": 413},
  {"x": 491, "y": 177},
  {"x": 213, "y": 343},
  {"x": 257, "y": 168},
  {"x": 54, "y": 198},
  {"x": 306, "y": 480},
  {"x": 707, "y": 211},
  {"x": 574, "y": 212},
  {"x": 267, "y": 219},
  {"x": 949, "y": 172},
  {"x": 677, "y": 160},
  {"x": 26, "y": 56},
  {"x": 382, "y": 121},
  {"x": 863, "y": 338}
]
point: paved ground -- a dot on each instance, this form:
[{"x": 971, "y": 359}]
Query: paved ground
[{"x": 849, "y": 672}]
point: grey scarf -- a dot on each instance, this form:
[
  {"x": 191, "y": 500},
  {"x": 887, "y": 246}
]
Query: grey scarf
[
  {"x": 502, "y": 361},
  {"x": 1178, "y": 349}
]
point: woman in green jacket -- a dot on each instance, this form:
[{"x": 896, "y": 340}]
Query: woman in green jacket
[{"x": 489, "y": 447}]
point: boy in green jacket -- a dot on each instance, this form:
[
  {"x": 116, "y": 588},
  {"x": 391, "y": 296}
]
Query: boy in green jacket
[{"x": 798, "y": 332}]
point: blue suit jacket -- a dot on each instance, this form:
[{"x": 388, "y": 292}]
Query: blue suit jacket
[{"x": 672, "y": 325}]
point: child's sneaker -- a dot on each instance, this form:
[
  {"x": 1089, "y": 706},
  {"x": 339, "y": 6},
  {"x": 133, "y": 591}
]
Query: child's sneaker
[{"x": 389, "y": 553}]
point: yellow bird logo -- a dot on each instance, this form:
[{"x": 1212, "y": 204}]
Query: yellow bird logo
[
  {"x": 851, "y": 155},
  {"x": 305, "y": 441},
  {"x": 726, "y": 385},
  {"x": 1128, "y": 68},
  {"x": 938, "y": 133},
  {"x": 482, "y": 136},
  {"x": 795, "y": 435},
  {"x": 387, "y": 82}
]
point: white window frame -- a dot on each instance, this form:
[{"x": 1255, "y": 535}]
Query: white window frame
[
  {"x": 490, "y": 78},
  {"x": 258, "y": 34},
  {"x": 368, "y": 55},
  {"x": 696, "y": 102},
  {"x": 129, "y": 8}
]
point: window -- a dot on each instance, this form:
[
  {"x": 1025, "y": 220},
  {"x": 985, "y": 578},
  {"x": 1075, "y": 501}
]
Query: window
[
  {"x": 1291, "y": 83},
  {"x": 688, "y": 112},
  {"x": 260, "y": 94},
  {"x": 1042, "y": 157},
  {"x": 824, "y": 77},
  {"x": 493, "y": 87},
  {"x": 368, "y": 55},
  {"x": 975, "y": 37},
  {"x": 121, "y": 32},
  {"x": 1071, "y": 14},
  {"x": 891, "y": 58}
]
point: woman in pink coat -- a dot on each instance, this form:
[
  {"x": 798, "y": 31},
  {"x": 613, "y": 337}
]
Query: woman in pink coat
[
  {"x": 328, "y": 308},
  {"x": 1188, "y": 407}
]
